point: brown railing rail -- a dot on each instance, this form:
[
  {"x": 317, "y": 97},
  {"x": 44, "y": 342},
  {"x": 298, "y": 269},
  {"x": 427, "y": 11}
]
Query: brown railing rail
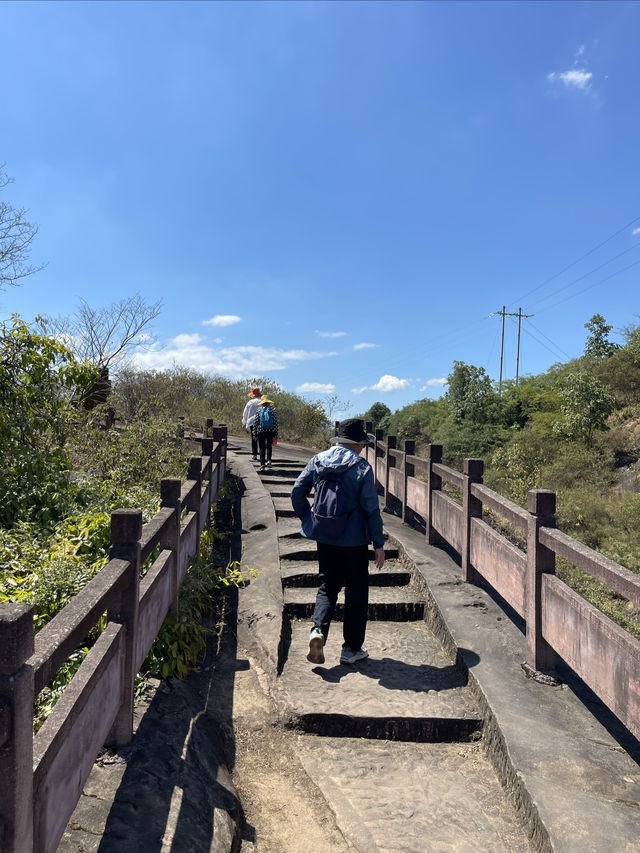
[
  {"x": 559, "y": 622},
  {"x": 42, "y": 775}
]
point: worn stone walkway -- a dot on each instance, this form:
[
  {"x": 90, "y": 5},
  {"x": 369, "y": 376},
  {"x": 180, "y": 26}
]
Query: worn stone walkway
[
  {"x": 437, "y": 742},
  {"x": 392, "y": 742}
]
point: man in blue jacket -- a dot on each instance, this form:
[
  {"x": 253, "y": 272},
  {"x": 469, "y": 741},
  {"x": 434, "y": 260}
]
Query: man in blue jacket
[{"x": 343, "y": 561}]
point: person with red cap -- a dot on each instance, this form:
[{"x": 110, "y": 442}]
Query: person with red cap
[{"x": 250, "y": 417}]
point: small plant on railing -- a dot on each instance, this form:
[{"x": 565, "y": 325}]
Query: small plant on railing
[{"x": 183, "y": 636}]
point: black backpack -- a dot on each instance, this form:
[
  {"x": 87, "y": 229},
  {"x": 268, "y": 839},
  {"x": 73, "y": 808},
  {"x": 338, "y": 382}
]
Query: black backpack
[{"x": 329, "y": 511}]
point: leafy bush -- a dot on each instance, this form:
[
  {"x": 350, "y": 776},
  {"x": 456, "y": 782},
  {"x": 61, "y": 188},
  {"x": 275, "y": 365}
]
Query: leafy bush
[{"x": 39, "y": 382}]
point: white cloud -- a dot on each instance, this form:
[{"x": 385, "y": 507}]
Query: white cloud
[
  {"x": 316, "y": 388},
  {"x": 331, "y": 334},
  {"x": 222, "y": 320},
  {"x": 186, "y": 341},
  {"x": 365, "y": 346},
  {"x": 576, "y": 79},
  {"x": 385, "y": 384},
  {"x": 431, "y": 382},
  {"x": 234, "y": 362},
  {"x": 579, "y": 53},
  {"x": 636, "y": 231}
]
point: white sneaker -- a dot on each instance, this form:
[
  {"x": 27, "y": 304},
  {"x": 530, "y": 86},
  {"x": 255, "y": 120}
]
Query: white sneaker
[
  {"x": 316, "y": 645},
  {"x": 262, "y": 468},
  {"x": 352, "y": 656},
  {"x": 268, "y": 464}
]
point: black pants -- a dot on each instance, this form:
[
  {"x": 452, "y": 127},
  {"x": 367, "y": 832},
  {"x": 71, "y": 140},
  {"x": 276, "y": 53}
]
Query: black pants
[
  {"x": 348, "y": 567},
  {"x": 265, "y": 440},
  {"x": 254, "y": 442}
]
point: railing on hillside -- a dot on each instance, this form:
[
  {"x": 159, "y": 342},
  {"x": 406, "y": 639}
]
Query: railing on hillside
[
  {"x": 42, "y": 775},
  {"x": 559, "y": 621}
]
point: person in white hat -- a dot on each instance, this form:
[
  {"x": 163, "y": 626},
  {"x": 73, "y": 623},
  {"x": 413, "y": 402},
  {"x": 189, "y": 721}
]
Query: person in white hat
[{"x": 250, "y": 416}]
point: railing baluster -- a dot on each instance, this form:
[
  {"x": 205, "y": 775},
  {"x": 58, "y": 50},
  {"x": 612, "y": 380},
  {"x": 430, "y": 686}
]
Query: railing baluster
[
  {"x": 473, "y": 470},
  {"x": 16, "y": 728},
  {"x": 126, "y": 530},
  {"x": 541, "y": 504}
]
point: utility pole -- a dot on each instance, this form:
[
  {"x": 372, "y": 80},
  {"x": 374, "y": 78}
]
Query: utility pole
[
  {"x": 520, "y": 316},
  {"x": 504, "y": 314},
  {"x": 504, "y": 308}
]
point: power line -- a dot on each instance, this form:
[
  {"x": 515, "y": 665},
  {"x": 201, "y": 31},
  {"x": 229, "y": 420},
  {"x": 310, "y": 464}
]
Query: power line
[
  {"x": 590, "y": 286},
  {"x": 542, "y": 344},
  {"x": 585, "y": 275},
  {"x": 573, "y": 263},
  {"x": 540, "y": 332}
]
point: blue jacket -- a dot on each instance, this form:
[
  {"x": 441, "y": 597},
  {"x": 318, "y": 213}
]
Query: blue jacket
[{"x": 365, "y": 521}]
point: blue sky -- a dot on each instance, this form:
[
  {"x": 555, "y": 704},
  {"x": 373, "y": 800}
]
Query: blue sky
[{"x": 336, "y": 195}]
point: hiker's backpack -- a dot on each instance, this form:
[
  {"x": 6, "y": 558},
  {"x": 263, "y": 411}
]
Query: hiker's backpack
[
  {"x": 329, "y": 514},
  {"x": 266, "y": 418}
]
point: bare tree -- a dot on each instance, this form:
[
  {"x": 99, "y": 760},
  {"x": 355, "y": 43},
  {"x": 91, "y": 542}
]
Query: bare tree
[
  {"x": 106, "y": 336},
  {"x": 16, "y": 236}
]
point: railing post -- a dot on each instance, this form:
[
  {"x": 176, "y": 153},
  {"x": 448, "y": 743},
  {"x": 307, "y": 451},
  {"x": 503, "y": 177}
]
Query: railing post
[
  {"x": 434, "y": 483},
  {"x": 194, "y": 472},
  {"x": 409, "y": 471},
  {"x": 126, "y": 530},
  {"x": 392, "y": 443},
  {"x": 472, "y": 472},
  {"x": 207, "y": 450},
  {"x": 219, "y": 435},
  {"x": 208, "y": 426},
  {"x": 336, "y": 424},
  {"x": 16, "y": 728},
  {"x": 368, "y": 427},
  {"x": 541, "y": 504},
  {"x": 379, "y": 435},
  {"x": 170, "y": 489}
]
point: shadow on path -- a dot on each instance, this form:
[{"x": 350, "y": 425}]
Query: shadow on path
[
  {"x": 176, "y": 794},
  {"x": 398, "y": 675}
]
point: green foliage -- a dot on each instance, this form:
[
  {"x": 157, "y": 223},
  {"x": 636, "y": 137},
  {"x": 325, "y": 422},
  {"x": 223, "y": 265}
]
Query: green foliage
[
  {"x": 39, "y": 381},
  {"x": 586, "y": 405},
  {"x": 180, "y": 392},
  {"x": 123, "y": 468},
  {"x": 598, "y": 345},
  {"x": 182, "y": 637},
  {"x": 417, "y": 422},
  {"x": 376, "y": 414},
  {"x": 469, "y": 393}
]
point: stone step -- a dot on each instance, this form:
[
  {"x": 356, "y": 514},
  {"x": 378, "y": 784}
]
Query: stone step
[
  {"x": 289, "y": 528},
  {"x": 305, "y": 574},
  {"x": 277, "y": 471},
  {"x": 408, "y": 689},
  {"x": 284, "y": 512},
  {"x": 386, "y": 603},
  {"x": 281, "y": 501},
  {"x": 414, "y": 797},
  {"x": 299, "y": 553}
]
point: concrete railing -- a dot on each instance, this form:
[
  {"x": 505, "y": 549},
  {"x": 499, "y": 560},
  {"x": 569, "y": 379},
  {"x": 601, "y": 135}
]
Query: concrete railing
[
  {"x": 42, "y": 775},
  {"x": 559, "y": 621}
]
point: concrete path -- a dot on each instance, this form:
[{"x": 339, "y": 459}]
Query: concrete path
[
  {"x": 399, "y": 760},
  {"x": 437, "y": 742}
]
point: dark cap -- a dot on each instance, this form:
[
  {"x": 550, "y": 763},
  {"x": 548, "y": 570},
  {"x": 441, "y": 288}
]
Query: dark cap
[{"x": 352, "y": 431}]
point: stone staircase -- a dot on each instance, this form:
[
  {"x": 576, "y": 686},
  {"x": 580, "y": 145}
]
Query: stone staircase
[{"x": 399, "y": 758}]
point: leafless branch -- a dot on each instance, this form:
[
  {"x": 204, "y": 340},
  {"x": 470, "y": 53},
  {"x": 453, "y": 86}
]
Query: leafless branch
[
  {"x": 16, "y": 236},
  {"x": 107, "y": 336}
]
